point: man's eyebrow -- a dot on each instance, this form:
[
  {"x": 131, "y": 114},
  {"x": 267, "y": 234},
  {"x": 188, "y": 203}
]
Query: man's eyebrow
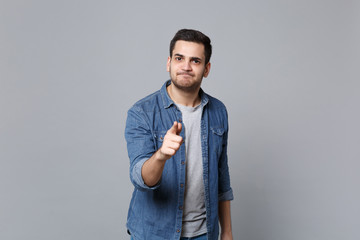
[
  {"x": 196, "y": 58},
  {"x": 192, "y": 58}
]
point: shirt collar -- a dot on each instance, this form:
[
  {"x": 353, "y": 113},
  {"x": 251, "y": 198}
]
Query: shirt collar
[{"x": 167, "y": 101}]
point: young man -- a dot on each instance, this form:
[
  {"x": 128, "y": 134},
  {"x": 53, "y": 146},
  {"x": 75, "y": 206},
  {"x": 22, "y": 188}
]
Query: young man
[{"x": 177, "y": 145}]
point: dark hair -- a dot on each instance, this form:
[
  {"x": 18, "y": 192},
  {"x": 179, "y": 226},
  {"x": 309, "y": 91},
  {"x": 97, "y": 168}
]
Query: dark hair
[{"x": 191, "y": 35}]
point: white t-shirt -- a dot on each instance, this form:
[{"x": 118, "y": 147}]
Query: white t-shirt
[{"x": 194, "y": 212}]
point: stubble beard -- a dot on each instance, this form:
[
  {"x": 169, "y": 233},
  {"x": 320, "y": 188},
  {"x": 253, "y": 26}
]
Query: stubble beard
[{"x": 190, "y": 88}]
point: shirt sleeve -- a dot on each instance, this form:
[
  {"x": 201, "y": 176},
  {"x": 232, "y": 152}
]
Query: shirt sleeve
[
  {"x": 140, "y": 146},
  {"x": 225, "y": 191}
]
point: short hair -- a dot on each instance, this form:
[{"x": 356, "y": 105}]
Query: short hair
[{"x": 191, "y": 35}]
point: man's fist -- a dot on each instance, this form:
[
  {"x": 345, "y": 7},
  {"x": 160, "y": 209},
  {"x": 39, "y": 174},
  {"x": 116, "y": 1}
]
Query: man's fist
[{"x": 172, "y": 141}]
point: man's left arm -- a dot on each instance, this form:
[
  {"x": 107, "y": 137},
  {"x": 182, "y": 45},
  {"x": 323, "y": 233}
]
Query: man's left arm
[
  {"x": 225, "y": 191},
  {"x": 225, "y": 220}
]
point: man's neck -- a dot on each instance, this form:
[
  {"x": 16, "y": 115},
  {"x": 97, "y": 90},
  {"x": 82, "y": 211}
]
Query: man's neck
[{"x": 189, "y": 99}]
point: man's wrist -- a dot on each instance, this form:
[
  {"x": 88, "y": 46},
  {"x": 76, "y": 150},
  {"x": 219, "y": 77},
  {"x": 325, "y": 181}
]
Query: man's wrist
[
  {"x": 226, "y": 235},
  {"x": 159, "y": 156}
]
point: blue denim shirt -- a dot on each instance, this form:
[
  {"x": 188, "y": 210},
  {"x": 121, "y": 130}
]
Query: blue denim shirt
[{"x": 155, "y": 213}]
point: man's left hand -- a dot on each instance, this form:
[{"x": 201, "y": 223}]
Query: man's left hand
[{"x": 226, "y": 236}]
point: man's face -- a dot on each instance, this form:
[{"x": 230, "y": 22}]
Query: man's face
[{"x": 187, "y": 65}]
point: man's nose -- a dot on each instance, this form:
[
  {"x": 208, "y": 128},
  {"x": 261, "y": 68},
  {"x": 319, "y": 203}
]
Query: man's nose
[{"x": 186, "y": 66}]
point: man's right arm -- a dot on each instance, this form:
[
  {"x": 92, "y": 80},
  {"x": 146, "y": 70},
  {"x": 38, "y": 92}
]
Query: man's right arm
[{"x": 152, "y": 169}]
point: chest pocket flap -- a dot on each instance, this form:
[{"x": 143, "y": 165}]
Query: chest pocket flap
[{"x": 217, "y": 131}]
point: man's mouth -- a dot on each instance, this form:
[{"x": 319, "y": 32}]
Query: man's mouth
[{"x": 185, "y": 74}]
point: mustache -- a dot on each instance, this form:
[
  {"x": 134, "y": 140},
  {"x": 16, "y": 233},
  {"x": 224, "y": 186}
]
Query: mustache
[{"x": 185, "y": 73}]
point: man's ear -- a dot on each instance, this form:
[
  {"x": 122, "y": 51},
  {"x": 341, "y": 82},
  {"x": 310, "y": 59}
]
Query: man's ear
[
  {"x": 207, "y": 69},
  {"x": 168, "y": 64}
]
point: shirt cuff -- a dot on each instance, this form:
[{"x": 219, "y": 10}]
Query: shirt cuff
[
  {"x": 226, "y": 196},
  {"x": 137, "y": 177}
]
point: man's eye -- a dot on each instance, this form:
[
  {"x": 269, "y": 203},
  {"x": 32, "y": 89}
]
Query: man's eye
[
  {"x": 178, "y": 58},
  {"x": 196, "y": 61}
]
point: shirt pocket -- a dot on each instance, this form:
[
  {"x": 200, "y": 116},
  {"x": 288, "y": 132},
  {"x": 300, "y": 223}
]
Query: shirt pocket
[
  {"x": 159, "y": 138},
  {"x": 217, "y": 139}
]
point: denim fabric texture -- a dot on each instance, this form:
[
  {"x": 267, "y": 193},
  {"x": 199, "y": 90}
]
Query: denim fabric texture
[
  {"x": 155, "y": 213},
  {"x": 202, "y": 237}
]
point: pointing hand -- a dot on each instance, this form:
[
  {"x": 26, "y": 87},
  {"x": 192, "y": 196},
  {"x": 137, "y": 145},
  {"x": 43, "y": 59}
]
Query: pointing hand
[{"x": 172, "y": 141}]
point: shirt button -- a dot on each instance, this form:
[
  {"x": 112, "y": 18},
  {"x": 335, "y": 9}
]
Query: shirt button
[
  {"x": 182, "y": 162},
  {"x": 178, "y": 230},
  {"x": 181, "y": 207},
  {"x": 180, "y": 120},
  {"x": 182, "y": 185}
]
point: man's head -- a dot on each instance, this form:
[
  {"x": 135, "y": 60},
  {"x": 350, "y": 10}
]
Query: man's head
[
  {"x": 191, "y": 35},
  {"x": 188, "y": 63}
]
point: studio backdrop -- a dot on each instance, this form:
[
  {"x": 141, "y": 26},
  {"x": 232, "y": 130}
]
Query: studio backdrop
[{"x": 288, "y": 72}]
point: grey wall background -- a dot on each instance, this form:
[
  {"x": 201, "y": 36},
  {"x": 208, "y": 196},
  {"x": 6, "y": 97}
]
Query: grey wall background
[{"x": 288, "y": 72}]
